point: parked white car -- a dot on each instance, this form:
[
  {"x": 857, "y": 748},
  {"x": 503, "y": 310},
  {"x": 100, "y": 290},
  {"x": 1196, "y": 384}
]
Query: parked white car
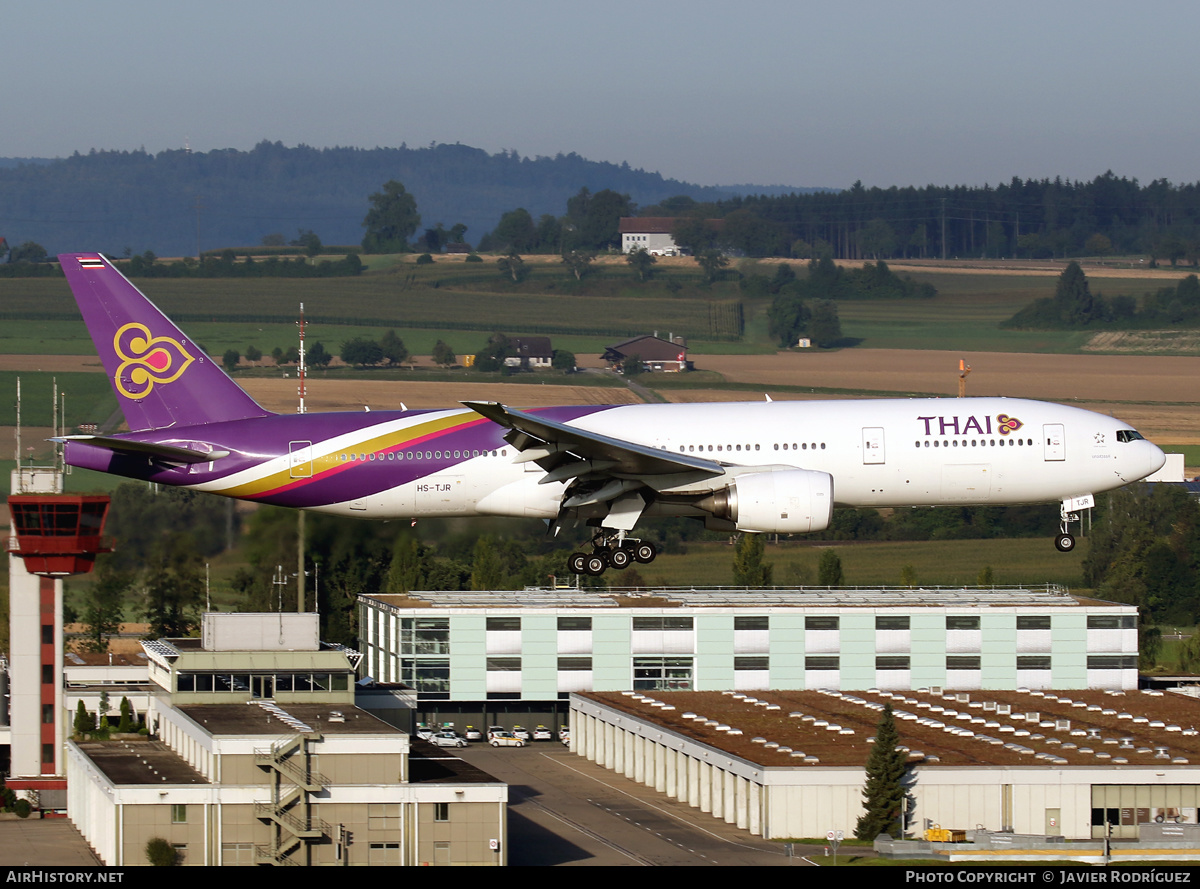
[
  {"x": 506, "y": 739},
  {"x": 448, "y": 739},
  {"x": 541, "y": 733}
]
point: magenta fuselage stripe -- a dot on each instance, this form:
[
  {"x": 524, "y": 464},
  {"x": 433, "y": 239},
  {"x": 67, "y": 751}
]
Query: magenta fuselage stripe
[{"x": 344, "y": 467}]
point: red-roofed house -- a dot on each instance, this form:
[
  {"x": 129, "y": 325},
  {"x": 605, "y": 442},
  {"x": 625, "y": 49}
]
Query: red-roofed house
[{"x": 655, "y": 353}]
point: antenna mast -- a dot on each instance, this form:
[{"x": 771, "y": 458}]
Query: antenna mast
[
  {"x": 18, "y": 434},
  {"x": 302, "y": 366},
  {"x": 300, "y": 536}
]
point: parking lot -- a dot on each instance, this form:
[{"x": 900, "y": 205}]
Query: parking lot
[{"x": 566, "y": 811}]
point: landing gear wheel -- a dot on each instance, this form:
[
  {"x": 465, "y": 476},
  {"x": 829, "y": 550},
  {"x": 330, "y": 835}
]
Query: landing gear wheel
[
  {"x": 620, "y": 558},
  {"x": 595, "y": 564},
  {"x": 645, "y": 552},
  {"x": 577, "y": 562},
  {"x": 1064, "y": 543}
]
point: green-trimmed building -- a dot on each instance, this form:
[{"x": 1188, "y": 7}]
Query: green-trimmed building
[{"x": 515, "y": 657}]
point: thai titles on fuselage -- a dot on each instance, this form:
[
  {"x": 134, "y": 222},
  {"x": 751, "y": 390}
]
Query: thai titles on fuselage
[{"x": 956, "y": 425}]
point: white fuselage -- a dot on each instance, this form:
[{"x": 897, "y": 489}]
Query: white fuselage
[{"x": 881, "y": 453}]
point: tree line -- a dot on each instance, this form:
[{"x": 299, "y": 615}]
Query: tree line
[
  {"x": 1075, "y": 307},
  {"x": 1145, "y": 551},
  {"x": 1030, "y": 218},
  {"x": 168, "y": 201}
]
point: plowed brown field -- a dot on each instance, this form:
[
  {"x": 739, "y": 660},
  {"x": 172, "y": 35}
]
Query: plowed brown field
[
  {"x": 1157, "y": 394},
  {"x": 332, "y": 395},
  {"x": 1017, "y": 375}
]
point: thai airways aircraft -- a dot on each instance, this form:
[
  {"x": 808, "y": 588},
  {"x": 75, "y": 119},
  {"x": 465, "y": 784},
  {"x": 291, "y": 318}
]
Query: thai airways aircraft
[{"x": 777, "y": 467}]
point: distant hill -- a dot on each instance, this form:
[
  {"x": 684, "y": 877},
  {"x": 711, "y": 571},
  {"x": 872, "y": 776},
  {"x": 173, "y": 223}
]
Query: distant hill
[
  {"x": 772, "y": 191},
  {"x": 117, "y": 200}
]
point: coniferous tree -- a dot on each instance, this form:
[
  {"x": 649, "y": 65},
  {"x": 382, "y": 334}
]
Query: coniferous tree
[
  {"x": 487, "y": 571},
  {"x": 126, "y": 724},
  {"x": 393, "y": 348},
  {"x": 1073, "y": 297},
  {"x": 105, "y": 603},
  {"x": 883, "y": 795},
  {"x": 829, "y": 569},
  {"x": 405, "y": 566},
  {"x": 825, "y": 327},
  {"x": 749, "y": 569},
  {"x": 83, "y": 719}
]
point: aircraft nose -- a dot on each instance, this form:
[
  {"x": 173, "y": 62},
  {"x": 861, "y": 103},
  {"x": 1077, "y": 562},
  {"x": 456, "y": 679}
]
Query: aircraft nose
[{"x": 1156, "y": 458}]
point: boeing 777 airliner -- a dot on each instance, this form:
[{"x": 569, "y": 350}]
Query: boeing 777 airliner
[{"x": 759, "y": 467}]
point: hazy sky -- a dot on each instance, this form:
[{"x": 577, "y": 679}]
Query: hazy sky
[{"x": 714, "y": 93}]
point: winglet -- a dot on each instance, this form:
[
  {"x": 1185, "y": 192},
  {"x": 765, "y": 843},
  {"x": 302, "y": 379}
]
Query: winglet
[{"x": 161, "y": 378}]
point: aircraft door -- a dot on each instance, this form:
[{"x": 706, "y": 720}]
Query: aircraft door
[
  {"x": 1056, "y": 441},
  {"x": 872, "y": 444},
  {"x": 300, "y": 459}
]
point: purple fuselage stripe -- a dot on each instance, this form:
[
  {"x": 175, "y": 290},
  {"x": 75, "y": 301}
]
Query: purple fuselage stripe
[{"x": 252, "y": 442}]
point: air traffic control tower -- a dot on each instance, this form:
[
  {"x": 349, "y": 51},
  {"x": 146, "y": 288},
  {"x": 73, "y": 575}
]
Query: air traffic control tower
[{"x": 54, "y": 536}]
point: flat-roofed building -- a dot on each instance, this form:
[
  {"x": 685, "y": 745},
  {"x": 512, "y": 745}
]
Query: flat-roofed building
[
  {"x": 516, "y": 656},
  {"x": 259, "y": 756},
  {"x": 1078, "y": 764}
]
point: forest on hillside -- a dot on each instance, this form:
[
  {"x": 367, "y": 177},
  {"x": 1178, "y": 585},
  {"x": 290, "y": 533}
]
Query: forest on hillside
[
  {"x": 1037, "y": 219},
  {"x": 112, "y": 201}
]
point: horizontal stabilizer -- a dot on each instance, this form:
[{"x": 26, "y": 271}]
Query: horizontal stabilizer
[{"x": 170, "y": 453}]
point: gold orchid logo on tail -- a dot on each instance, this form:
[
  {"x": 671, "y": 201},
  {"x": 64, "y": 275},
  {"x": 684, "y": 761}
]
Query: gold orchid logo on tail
[{"x": 146, "y": 360}]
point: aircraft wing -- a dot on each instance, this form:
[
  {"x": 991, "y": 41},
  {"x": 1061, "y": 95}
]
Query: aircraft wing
[
  {"x": 169, "y": 453},
  {"x": 567, "y": 451}
]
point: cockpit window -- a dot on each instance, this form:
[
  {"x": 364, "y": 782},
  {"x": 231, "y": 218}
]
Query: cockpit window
[{"x": 1128, "y": 435}]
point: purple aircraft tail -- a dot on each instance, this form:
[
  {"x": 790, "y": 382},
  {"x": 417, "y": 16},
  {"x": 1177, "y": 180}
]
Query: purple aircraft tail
[{"x": 160, "y": 376}]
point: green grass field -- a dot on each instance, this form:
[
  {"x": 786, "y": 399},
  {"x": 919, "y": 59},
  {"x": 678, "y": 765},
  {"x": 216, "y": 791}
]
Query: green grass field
[
  {"x": 462, "y": 304},
  {"x": 88, "y": 398},
  {"x": 936, "y": 563}
]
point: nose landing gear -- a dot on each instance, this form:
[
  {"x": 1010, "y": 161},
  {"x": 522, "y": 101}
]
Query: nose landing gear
[{"x": 1064, "y": 542}]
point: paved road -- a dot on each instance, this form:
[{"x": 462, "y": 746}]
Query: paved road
[{"x": 566, "y": 811}]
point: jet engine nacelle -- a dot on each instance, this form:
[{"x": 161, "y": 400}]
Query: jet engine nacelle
[{"x": 783, "y": 501}]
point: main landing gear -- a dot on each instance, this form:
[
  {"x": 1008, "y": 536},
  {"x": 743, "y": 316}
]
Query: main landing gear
[{"x": 615, "y": 550}]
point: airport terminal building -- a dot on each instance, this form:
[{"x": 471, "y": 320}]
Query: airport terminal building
[{"x": 509, "y": 657}]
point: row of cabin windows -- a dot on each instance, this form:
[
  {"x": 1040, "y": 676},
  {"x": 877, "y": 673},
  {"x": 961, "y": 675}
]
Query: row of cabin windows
[
  {"x": 975, "y": 442},
  {"x": 802, "y": 446},
  {"x": 420, "y": 455}
]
